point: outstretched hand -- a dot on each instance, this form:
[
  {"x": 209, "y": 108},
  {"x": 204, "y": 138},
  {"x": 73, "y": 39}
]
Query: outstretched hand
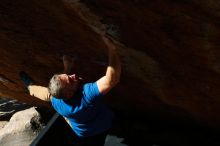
[{"x": 108, "y": 41}]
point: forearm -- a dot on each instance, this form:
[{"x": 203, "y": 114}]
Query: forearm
[
  {"x": 113, "y": 71},
  {"x": 39, "y": 92}
]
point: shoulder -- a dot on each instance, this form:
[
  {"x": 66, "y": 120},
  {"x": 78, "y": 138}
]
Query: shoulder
[
  {"x": 90, "y": 91},
  {"x": 89, "y": 88}
]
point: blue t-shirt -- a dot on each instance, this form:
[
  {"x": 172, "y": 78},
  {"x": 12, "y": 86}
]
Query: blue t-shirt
[{"x": 85, "y": 111}]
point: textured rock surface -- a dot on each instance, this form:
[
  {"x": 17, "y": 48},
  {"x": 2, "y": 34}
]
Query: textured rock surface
[
  {"x": 22, "y": 128},
  {"x": 8, "y": 107},
  {"x": 169, "y": 51}
]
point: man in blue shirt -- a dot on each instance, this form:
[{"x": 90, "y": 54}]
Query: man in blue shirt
[{"x": 81, "y": 104}]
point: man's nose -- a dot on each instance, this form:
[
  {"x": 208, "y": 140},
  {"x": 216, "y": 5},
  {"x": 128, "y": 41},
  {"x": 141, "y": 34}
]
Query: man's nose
[{"x": 73, "y": 76}]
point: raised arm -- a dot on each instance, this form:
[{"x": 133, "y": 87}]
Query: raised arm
[{"x": 113, "y": 71}]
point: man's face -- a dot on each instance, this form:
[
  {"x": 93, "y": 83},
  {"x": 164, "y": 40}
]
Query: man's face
[{"x": 70, "y": 82}]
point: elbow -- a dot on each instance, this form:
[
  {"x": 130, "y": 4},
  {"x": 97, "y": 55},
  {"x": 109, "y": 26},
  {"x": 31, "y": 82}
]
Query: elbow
[
  {"x": 113, "y": 82},
  {"x": 113, "y": 78},
  {"x": 116, "y": 81},
  {"x": 118, "y": 76}
]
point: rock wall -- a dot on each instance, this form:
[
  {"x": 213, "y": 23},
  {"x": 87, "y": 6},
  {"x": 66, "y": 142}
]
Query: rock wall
[{"x": 169, "y": 51}]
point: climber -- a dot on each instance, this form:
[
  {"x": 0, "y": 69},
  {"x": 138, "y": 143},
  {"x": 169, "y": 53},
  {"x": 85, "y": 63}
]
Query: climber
[{"x": 81, "y": 104}]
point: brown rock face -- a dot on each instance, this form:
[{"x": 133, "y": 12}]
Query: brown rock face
[{"x": 169, "y": 51}]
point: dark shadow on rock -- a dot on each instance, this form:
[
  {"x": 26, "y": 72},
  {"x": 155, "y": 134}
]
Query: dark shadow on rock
[
  {"x": 146, "y": 129},
  {"x": 46, "y": 113},
  {"x": 9, "y": 107},
  {"x": 140, "y": 129}
]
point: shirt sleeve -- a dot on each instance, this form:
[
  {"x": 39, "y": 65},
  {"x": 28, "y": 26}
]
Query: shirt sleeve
[{"x": 91, "y": 92}]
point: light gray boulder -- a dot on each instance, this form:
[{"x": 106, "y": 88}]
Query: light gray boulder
[{"x": 22, "y": 128}]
